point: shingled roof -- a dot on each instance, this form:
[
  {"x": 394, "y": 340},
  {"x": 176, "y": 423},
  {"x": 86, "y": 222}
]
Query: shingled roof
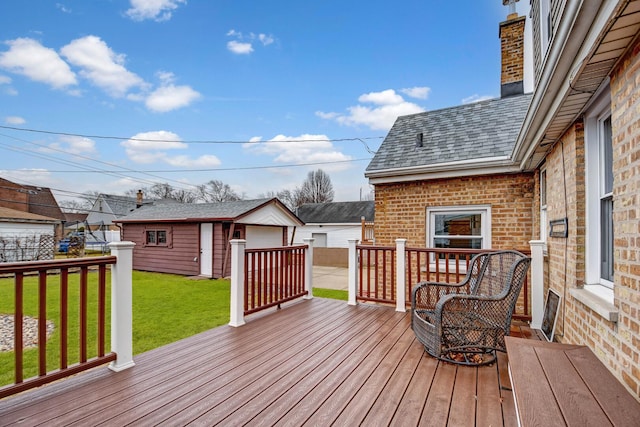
[
  {"x": 467, "y": 132},
  {"x": 222, "y": 211},
  {"x": 336, "y": 212}
]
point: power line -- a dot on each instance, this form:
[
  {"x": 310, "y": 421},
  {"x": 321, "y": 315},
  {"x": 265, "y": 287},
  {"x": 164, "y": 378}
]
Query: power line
[
  {"x": 209, "y": 170},
  {"x": 48, "y": 132}
]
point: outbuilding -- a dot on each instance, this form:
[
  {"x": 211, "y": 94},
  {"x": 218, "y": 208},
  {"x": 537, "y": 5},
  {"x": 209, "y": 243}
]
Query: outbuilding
[
  {"x": 25, "y": 236},
  {"x": 193, "y": 238}
]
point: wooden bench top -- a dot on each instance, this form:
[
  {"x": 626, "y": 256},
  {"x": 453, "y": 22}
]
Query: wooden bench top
[{"x": 558, "y": 384}]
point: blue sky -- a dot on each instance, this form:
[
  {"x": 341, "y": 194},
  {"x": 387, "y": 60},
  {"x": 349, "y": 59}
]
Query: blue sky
[{"x": 127, "y": 93}]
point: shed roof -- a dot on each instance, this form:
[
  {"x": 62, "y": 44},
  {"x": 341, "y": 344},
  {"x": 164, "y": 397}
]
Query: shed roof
[
  {"x": 336, "y": 212},
  {"x": 13, "y": 215},
  {"x": 471, "y": 131},
  {"x": 201, "y": 212}
]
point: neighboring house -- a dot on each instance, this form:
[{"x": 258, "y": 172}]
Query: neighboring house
[
  {"x": 32, "y": 199},
  {"x": 569, "y": 176},
  {"x": 25, "y": 236},
  {"x": 332, "y": 224},
  {"x": 109, "y": 207},
  {"x": 193, "y": 239}
]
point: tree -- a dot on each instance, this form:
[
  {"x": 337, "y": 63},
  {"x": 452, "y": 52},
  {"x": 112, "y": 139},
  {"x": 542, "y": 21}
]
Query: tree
[
  {"x": 317, "y": 188},
  {"x": 165, "y": 191},
  {"x": 216, "y": 191},
  {"x": 287, "y": 197},
  {"x": 82, "y": 204}
]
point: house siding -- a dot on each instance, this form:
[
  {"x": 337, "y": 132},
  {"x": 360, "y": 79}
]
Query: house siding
[
  {"x": 401, "y": 207},
  {"x": 181, "y": 257}
]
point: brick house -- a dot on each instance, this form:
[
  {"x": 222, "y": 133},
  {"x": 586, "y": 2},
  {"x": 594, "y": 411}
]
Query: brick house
[
  {"x": 34, "y": 200},
  {"x": 568, "y": 178}
]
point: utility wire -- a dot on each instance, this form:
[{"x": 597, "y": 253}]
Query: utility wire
[{"x": 48, "y": 132}]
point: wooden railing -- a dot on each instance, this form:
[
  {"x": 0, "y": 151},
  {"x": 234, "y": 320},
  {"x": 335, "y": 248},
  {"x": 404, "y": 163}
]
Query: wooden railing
[
  {"x": 377, "y": 276},
  {"x": 273, "y": 276},
  {"x": 52, "y": 274},
  {"x": 368, "y": 236}
]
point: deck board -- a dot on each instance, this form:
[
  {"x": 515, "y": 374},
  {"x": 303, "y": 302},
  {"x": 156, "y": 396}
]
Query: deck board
[{"x": 314, "y": 362}]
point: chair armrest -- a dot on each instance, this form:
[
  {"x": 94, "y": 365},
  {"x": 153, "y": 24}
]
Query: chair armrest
[{"x": 425, "y": 295}]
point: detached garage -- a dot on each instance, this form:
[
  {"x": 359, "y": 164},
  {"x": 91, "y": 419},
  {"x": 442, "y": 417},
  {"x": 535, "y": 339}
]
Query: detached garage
[
  {"x": 25, "y": 236},
  {"x": 193, "y": 239}
]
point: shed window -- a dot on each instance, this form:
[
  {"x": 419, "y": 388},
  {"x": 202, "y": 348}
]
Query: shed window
[{"x": 156, "y": 238}]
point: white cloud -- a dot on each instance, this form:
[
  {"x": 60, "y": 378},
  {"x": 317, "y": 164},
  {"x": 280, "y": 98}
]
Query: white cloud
[
  {"x": 167, "y": 98},
  {"x": 243, "y": 44},
  {"x": 29, "y": 58},
  {"x": 101, "y": 65},
  {"x": 5, "y": 80},
  {"x": 388, "y": 105},
  {"x": 301, "y": 149},
  {"x": 29, "y": 176},
  {"x": 14, "y": 120},
  {"x": 386, "y": 97},
  {"x": 239, "y": 48},
  {"x": 150, "y": 147},
  {"x": 75, "y": 144},
  {"x": 265, "y": 39},
  {"x": 476, "y": 98},
  {"x": 417, "y": 92},
  {"x": 157, "y": 10},
  {"x": 63, "y": 8}
]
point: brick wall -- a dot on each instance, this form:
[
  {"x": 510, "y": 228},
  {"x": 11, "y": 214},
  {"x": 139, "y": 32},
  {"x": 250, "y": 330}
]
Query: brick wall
[
  {"x": 12, "y": 198},
  {"x": 625, "y": 109},
  {"x": 565, "y": 256},
  {"x": 512, "y": 47},
  {"x": 401, "y": 208},
  {"x": 616, "y": 344}
]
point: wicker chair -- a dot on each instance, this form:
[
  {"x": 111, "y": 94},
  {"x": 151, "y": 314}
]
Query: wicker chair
[{"x": 466, "y": 322}]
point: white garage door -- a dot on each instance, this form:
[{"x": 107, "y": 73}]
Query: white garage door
[{"x": 263, "y": 237}]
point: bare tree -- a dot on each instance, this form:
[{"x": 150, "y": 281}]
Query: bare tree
[
  {"x": 216, "y": 191},
  {"x": 285, "y": 196},
  {"x": 317, "y": 188},
  {"x": 82, "y": 204},
  {"x": 165, "y": 191}
]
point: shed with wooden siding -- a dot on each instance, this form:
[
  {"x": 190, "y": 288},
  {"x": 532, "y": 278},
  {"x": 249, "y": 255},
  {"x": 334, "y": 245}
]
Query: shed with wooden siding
[{"x": 193, "y": 239}]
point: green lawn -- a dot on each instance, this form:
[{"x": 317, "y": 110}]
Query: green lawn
[{"x": 166, "y": 308}]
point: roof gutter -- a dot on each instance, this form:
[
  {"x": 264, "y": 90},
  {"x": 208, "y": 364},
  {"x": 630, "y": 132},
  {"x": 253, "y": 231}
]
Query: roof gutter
[
  {"x": 486, "y": 166},
  {"x": 581, "y": 25}
]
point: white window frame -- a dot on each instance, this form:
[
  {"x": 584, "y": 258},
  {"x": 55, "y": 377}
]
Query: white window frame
[
  {"x": 545, "y": 25},
  {"x": 543, "y": 204},
  {"x": 485, "y": 224},
  {"x": 598, "y": 112}
]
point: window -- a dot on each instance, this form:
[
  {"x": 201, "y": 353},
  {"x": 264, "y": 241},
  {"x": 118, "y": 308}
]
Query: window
[
  {"x": 459, "y": 227},
  {"x": 545, "y": 24},
  {"x": 543, "y": 204},
  {"x": 156, "y": 238},
  {"x": 599, "y": 194}
]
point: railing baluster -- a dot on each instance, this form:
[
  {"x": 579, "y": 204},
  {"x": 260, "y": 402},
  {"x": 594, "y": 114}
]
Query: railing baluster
[
  {"x": 64, "y": 317},
  {"x": 42, "y": 323},
  {"x": 17, "y": 324},
  {"x": 83, "y": 314},
  {"x": 102, "y": 291}
]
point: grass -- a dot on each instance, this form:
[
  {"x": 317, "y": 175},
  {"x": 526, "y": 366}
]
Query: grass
[{"x": 166, "y": 308}]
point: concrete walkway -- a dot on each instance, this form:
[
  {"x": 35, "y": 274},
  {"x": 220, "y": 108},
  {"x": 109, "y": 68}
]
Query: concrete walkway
[{"x": 330, "y": 277}]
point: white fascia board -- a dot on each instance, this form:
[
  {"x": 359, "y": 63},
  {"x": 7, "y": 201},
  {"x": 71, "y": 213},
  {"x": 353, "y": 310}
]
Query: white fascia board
[
  {"x": 580, "y": 28},
  {"x": 473, "y": 167}
]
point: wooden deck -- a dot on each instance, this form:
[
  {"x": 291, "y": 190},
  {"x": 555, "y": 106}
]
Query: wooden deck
[{"x": 316, "y": 362}]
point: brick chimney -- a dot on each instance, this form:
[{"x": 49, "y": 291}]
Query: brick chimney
[
  {"x": 139, "y": 199},
  {"x": 512, "y": 48}
]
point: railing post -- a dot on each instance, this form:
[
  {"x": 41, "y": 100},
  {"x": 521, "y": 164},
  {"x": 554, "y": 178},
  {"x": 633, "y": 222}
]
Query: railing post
[
  {"x": 308, "y": 268},
  {"x": 537, "y": 283},
  {"x": 121, "y": 306},
  {"x": 237, "y": 282},
  {"x": 401, "y": 294},
  {"x": 353, "y": 272}
]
